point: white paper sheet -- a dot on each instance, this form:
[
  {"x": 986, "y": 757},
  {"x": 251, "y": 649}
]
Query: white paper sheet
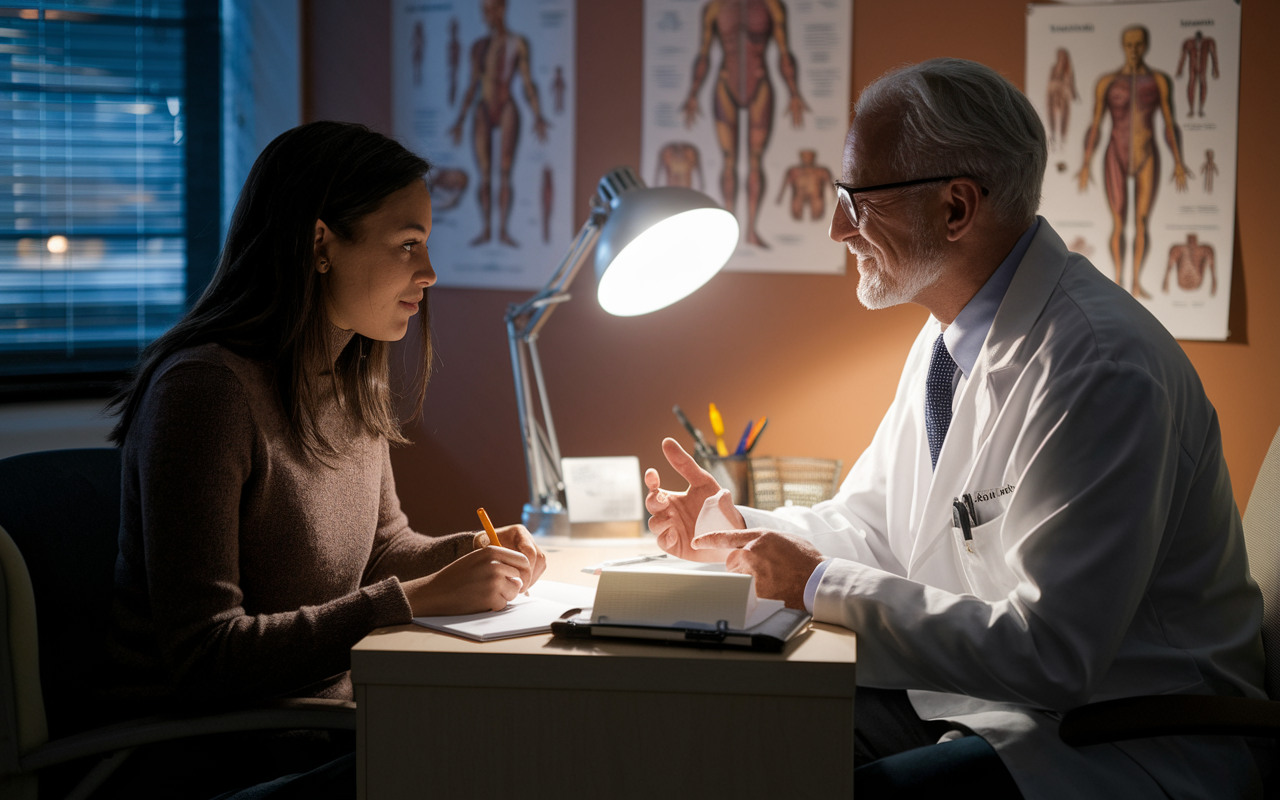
[
  {"x": 603, "y": 489},
  {"x": 547, "y": 602},
  {"x": 667, "y": 597}
]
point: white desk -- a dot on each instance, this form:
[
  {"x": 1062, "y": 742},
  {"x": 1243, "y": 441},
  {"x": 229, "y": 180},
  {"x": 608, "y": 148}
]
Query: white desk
[{"x": 443, "y": 717}]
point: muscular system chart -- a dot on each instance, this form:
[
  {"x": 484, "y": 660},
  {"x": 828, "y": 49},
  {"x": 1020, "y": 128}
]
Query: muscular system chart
[
  {"x": 485, "y": 90},
  {"x": 1142, "y": 159},
  {"x": 748, "y": 100}
]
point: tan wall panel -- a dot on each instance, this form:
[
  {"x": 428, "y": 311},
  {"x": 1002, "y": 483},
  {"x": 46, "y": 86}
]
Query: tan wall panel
[{"x": 798, "y": 348}]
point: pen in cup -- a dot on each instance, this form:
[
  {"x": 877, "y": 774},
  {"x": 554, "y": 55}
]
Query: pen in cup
[
  {"x": 756, "y": 430},
  {"x": 699, "y": 443}
]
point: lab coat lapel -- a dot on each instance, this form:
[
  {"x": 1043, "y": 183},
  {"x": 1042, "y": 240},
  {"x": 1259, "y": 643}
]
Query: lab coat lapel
[
  {"x": 1037, "y": 276},
  {"x": 982, "y": 395}
]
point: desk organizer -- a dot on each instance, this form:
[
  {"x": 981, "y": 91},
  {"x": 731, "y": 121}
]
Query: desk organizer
[{"x": 771, "y": 481}]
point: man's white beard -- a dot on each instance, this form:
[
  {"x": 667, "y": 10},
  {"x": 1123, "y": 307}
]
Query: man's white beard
[{"x": 925, "y": 268}]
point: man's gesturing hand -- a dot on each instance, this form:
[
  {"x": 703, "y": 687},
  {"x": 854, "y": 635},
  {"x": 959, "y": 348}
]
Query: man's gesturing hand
[
  {"x": 676, "y": 513},
  {"x": 780, "y": 562}
]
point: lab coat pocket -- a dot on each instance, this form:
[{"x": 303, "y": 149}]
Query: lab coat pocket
[{"x": 981, "y": 556}]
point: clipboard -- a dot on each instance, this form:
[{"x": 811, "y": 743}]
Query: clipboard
[{"x": 770, "y": 636}]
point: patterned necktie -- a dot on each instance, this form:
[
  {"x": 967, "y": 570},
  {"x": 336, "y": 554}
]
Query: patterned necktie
[{"x": 937, "y": 397}]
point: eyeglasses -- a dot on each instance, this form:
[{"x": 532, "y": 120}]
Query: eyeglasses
[{"x": 845, "y": 192}]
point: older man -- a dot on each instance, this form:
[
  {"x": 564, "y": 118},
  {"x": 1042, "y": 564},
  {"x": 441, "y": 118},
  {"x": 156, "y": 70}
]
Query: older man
[{"x": 1044, "y": 516}]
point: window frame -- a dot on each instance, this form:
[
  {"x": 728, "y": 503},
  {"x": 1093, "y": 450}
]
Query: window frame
[{"x": 202, "y": 171}]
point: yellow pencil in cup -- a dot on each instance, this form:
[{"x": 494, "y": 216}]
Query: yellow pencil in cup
[
  {"x": 488, "y": 528},
  {"x": 717, "y": 427}
]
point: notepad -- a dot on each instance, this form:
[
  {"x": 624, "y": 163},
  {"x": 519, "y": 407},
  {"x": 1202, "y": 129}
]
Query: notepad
[
  {"x": 654, "y": 561},
  {"x": 547, "y": 602},
  {"x": 628, "y": 596}
]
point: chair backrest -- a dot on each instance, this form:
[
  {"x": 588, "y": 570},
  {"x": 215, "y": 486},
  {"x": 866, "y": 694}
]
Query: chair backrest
[
  {"x": 61, "y": 509},
  {"x": 23, "y": 726},
  {"x": 1262, "y": 540}
]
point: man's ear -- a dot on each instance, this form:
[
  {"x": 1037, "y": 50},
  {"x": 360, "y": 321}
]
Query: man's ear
[{"x": 963, "y": 198}]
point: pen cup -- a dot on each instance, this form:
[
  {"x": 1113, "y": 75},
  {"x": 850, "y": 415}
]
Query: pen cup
[{"x": 731, "y": 472}]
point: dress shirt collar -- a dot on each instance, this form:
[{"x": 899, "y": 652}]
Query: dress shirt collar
[{"x": 964, "y": 336}]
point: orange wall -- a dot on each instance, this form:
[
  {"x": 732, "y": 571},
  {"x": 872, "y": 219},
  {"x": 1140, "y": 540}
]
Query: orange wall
[{"x": 798, "y": 348}]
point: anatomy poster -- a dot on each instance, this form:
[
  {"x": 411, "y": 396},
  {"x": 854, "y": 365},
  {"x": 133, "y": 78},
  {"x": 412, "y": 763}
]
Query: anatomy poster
[
  {"x": 748, "y": 101},
  {"x": 1139, "y": 102},
  {"x": 485, "y": 90}
]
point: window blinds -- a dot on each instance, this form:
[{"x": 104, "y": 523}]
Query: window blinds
[{"x": 92, "y": 181}]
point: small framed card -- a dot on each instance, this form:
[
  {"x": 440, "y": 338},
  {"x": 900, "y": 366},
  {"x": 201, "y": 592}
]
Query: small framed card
[{"x": 603, "y": 489}]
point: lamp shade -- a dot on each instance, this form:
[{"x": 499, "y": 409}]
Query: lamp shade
[{"x": 658, "y": 245}]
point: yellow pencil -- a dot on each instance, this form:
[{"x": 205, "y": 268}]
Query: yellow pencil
[
  {"x": 488, "y": 528},
  {"x": 717, "y": 427}
]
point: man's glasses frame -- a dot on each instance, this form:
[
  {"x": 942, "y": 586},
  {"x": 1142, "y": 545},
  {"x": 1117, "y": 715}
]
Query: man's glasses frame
[{"x": 845, "y": 192}]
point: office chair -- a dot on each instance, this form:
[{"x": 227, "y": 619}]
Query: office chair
[
  {"x": 1168, "y": 715},
  {"x": 59, "y": 521}
]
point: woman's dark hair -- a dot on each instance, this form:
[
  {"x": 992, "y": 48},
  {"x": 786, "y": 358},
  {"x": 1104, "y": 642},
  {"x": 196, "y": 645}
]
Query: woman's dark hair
[{"x": 266, "y": 300}]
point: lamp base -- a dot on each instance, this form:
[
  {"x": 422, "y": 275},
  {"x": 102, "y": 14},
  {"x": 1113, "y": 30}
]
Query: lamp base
[
  {"x": 630, "y": 529},
  {"x": 545, "y": 520}
]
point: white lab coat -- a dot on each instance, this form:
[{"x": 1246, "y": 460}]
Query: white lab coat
[{"x": 1108, "y": 560}]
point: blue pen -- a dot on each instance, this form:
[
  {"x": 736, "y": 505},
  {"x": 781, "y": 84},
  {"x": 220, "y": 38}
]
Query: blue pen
[{"x": 742, "y": 443}]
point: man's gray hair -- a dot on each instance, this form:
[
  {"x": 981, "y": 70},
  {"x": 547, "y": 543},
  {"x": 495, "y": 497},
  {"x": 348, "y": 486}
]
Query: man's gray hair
[{"x": 963, "y": 118}]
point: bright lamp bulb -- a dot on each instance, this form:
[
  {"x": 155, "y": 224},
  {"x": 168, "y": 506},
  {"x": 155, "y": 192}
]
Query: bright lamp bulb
[{"x": 669, "y": 261}]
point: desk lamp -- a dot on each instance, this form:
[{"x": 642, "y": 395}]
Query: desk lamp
[{"x": 653, "y": 246}]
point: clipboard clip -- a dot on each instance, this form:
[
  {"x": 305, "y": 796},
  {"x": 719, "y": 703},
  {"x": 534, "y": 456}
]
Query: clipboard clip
[{"x": 717, "y": 635}]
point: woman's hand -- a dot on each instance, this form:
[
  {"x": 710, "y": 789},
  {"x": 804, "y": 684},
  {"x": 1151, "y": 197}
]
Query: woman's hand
[
  {"x": 518, "y": 538},
  {"x": 482, "y": 580}
]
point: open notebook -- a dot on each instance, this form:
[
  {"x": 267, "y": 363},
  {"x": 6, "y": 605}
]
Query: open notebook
[
  {"x": 547, "y": 601},
  {"x": 687, "y": 607},
  {"x": 652, "y": 596}
]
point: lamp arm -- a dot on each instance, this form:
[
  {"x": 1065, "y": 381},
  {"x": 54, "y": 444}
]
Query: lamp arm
[
  {"x": 524, "y": 321},
  {"x": 519, "y": 371},
  {"x": 552, "y": 443},
  {"x": 565, "y": 272}
]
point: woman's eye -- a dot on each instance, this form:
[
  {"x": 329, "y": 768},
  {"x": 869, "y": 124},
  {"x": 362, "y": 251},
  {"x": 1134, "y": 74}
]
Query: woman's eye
[{"x": 408, "y": 246}]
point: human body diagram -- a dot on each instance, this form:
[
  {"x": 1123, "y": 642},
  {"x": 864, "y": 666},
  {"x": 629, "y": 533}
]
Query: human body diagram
[
  {"x": 1191, "y": 260},
  {"x": 548, "y": 201},
  {"x": 678, "y": 164},
  {"x": 419, "y": 51},
  {"x": 1208, "y": 170},
  {"x": 496, "y": 60},
  {"x": 558, "y": 87},
  {"x": 1061, "y": 94},
  {"x": 808, "y": 182},
  {"x": 744, "y": 29},
  {"x": 447, "y": 186},
  {"x": 1196, "y": 53},
  {"x": 1131, "y": 96},
  {"x": 455, "y": 59}
]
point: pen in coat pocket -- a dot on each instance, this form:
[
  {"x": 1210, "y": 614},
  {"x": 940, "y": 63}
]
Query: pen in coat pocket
[{"x": 960, "y": 519}]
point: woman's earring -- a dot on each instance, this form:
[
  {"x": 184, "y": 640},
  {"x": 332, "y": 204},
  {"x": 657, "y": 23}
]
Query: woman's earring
[{"x": 323, "y": 266}]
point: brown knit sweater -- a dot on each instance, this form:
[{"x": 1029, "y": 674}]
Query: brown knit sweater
[{"x": 246, "y": 570}]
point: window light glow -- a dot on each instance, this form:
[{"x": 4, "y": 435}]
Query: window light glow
[{"x": 669, "y": 261}]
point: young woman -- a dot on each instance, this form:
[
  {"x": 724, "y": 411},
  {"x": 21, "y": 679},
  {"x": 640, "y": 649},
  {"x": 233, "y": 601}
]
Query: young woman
[{"x": 261, "y": 534}]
